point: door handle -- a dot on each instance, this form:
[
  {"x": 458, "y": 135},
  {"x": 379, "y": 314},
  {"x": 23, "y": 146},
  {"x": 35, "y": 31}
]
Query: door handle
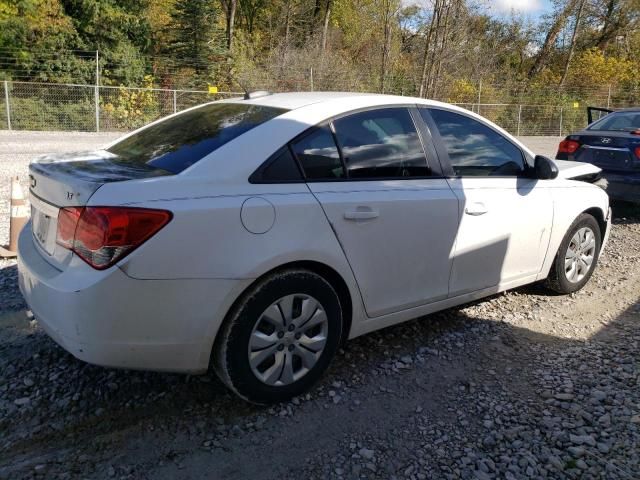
[
  {"x": 361, "y": 213},
  {"x": 476, "y": 209}
]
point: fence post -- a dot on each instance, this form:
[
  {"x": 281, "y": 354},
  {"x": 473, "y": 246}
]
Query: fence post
[
  {"x": 560, "y": 134},
  {"x": 609, "y": 97},
  {"x": 97, "y": 93},
  {"x": 175, "y": 102},
  {"x": 519, "y": 119},
  {"x": 479, "y": 95},
  {"x": 6, "y": 101},
  {"x": 311, "y": 77}
]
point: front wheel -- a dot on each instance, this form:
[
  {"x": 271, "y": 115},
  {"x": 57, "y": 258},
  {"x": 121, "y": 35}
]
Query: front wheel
[
  {"x": 577, "y": 256},
  {"x": 280, "y": 338}
]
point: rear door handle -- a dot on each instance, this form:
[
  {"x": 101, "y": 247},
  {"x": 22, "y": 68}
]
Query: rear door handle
[
  {"x": 361, "y": 213},
  {"x": 476, "y": 209}
]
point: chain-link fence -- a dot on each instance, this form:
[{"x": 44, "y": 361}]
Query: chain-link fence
[
  {"x": 519, "y": 119},
  {"x": 87, "y": 108},
  {"x": 68, "y": 107}
]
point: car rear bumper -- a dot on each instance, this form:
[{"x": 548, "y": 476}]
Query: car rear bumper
[
  {"x": 625, "y": 187},
  {"x": 108, "y": 318}
]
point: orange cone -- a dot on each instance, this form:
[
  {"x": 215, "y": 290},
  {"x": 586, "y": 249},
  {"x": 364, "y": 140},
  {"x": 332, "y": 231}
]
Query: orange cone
[{"x": 19, "y": 217}]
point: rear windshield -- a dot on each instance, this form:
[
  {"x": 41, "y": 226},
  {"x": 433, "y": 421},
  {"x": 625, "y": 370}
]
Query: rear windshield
[
  {"x": 179, "y": 142},
  {"x": 619, "y": 121}
]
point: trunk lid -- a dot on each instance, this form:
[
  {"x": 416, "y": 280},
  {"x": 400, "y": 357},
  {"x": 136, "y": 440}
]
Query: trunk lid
[
  {"x": 69, "y": 180},
  {"x": 610, "y": 150}
]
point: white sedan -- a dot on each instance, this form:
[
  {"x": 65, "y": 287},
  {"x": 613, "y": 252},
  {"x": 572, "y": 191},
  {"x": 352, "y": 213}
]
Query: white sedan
[{"x": 257, "y": 235}]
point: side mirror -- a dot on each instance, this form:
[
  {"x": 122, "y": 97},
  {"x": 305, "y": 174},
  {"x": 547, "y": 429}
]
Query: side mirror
[{"x": 545, "y": 168}]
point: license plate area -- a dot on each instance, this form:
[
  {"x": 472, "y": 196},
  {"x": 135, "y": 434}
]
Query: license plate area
[
  {"x": 611, "y": 158},
  {"x": 44, "y": 220},
  {"x": 41, "y": 226}
]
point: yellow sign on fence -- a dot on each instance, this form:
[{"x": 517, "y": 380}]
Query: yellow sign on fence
[
  {"x": 213, "y": 89},
  {"x": 576, "y": 104}
]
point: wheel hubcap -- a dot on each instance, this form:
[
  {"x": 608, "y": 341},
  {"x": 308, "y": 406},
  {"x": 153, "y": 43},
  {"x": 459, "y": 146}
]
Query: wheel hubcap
[
  {"x": 580, "y": 255},
  {"x": 288, "y": 339}
]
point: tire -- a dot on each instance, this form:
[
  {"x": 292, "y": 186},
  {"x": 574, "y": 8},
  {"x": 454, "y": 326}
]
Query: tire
[
  {"x": 266, "y": 355},
  {"x": 567, "y": 274}
]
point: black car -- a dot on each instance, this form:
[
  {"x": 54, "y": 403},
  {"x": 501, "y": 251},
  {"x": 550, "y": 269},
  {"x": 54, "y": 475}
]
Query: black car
[{"x": 612, "y": 143}]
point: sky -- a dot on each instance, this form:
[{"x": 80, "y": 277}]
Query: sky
[
  {"x": 530, "y": 8},
  {"x": 534, "y": 8}
]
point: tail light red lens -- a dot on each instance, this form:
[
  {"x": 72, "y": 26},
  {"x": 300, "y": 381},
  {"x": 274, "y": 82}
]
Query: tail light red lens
[
  {"x": 67, "y": 221},
  {"x": 568, "y": 146},
  {"x": 637, "y": 152},
  {"x": 102, "y": 236}
]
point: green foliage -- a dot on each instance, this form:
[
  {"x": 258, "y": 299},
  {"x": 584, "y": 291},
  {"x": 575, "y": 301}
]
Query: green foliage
[
  {"x": 197, "y": 40},
  {"x": 592, "y": 67},
  {"x": 131, "y": 109},
  {"x": 463, "y": 91},
  {"x": 452, "y": 50},
  {"x": 34, "y": 113}
]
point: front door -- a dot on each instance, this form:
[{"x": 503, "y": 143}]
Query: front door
[{"x": 505, "y": 216}]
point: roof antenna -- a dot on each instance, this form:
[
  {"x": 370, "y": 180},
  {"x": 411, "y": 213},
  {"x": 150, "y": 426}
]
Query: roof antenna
[
  {"x": 242, "y": 85},
  {"x": 247, "y": 94}
]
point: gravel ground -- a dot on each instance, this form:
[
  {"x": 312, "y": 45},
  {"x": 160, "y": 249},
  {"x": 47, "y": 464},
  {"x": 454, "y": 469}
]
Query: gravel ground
[{"x": 525, "y": 384}]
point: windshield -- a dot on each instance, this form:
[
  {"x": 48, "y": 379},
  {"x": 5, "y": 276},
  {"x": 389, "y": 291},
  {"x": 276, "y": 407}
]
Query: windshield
[
  {"x": 179, "y": 142},
  {"x": 618, "y": 121}
]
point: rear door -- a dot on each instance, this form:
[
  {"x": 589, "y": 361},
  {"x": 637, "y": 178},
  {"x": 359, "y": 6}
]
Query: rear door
[
  {"x": 505, "y": 216},
  {"x": 393, "y": 213}
]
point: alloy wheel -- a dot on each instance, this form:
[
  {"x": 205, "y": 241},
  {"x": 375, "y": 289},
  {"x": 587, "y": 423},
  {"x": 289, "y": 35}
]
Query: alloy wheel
[
  {"x": 580, "y": 255},
  {"x": 288, "y": 339}
]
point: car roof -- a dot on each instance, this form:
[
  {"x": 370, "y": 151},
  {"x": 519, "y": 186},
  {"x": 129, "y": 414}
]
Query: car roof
[
  {"x": 305, "y": 110},
  {"x": 628, "y": 109},
  {"x": 295, "y": 100}
]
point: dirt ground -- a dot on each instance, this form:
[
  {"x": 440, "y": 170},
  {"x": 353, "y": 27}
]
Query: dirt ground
[{"x": 526, "y": 384}]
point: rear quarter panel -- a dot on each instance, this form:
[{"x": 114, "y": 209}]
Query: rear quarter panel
[{"x": 206, "y": 239}]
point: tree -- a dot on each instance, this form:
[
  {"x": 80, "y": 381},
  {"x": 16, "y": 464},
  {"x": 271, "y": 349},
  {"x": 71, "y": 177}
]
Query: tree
[
  {"x": 325, "y": 25},
  {"x": 119, "y": 30},
  {"x": 572, "y": 46},
  {"x": 389, "y": 10},
  {"x": 197, "y": 40},
  {"x": 558, "y": 21},
  {"x": 230, "y": 7}
]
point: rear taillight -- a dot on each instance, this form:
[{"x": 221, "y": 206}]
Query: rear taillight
[
  {"x": 637, "y": 152},
  {"x": 67, "y": 221},
  {"x": 101, "y": 236},
  {"x": 568, "y": 146}
]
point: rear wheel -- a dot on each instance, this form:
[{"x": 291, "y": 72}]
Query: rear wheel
[
  {"x": 577, "y": 256},
  {"x": 280, "y": 338}
]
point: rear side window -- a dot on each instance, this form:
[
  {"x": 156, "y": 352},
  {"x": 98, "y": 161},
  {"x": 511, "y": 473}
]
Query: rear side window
[
  {"x": 280, "y": 168},
  {"x": 381, "y": 143},
  {"x": 179, "y": 142},
  {"x": 318, "y": 155},
  {"x": 475, "y": 149}
]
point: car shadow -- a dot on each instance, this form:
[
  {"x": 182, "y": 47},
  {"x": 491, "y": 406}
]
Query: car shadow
[{"x": 625, "y": 212}]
